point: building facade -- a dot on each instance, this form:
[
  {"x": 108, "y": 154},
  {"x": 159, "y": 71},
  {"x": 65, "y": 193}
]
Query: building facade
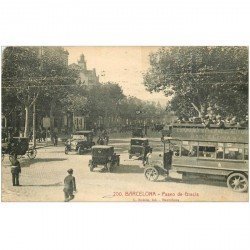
[{"x": 86, "y": 77}]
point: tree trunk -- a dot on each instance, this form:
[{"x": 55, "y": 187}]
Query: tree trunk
[
  {"x": 27, "y": 127},
  {"x": 51, "y": 114},
  {"x": 5, "y": 122},
  {"x": 197, "y": 109},
  {"x": 34, "y": 124}
]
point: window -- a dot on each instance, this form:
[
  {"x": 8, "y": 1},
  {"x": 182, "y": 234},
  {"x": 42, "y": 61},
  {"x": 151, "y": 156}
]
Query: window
[
  {"x": 176, "y": 150},
  {"x": 219, "y": 153},
  {"x": 234, "y": 153},
  {"x": 206, "y": 151},
  {"x": 193, "y": 151},
  {"x": 174, "y": 146},
  {"x": 189, "y": 150},
  {"x": 185, "y": 150}
]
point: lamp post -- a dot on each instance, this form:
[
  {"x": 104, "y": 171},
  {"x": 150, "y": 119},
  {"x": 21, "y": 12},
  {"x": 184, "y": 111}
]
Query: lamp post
[{"x": 34, "y": 124}]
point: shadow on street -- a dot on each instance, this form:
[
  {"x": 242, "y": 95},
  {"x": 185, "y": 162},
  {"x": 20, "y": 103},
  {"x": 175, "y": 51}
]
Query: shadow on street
[
  {"x": 44, "y": 185},
  {"x": 192, "y": 181},
  {"x": 28, "y": 162},
  {"x": 131, "y": 169}
]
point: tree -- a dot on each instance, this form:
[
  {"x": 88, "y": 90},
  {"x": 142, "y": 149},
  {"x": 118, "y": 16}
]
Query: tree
[
  {"x": 200, "y": 77},
  {"x": 103, "y": 101},
  {"x": 136, "y": 111},
  {"x": 20, "y": 71},
  {"x": 32, "y": 72}
]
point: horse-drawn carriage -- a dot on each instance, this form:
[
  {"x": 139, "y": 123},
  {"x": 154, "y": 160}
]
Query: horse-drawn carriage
[{"x": 17, "y": 147}]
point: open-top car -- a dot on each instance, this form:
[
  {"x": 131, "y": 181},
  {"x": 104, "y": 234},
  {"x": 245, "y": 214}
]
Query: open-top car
[
  {"x": 79, "y": 142},
  {"x": 139, "y": 147},
  {"x": 104, "y": 155}
]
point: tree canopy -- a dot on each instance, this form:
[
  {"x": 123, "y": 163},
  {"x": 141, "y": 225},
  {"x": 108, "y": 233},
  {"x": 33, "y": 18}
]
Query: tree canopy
[
  {"x": 41, "y": 76},
  {"x": 34, "y": 74},
  {"x": 200, "y": 77}
]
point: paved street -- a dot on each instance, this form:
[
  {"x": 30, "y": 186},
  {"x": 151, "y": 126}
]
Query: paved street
[{"x": 42, "y": 180}]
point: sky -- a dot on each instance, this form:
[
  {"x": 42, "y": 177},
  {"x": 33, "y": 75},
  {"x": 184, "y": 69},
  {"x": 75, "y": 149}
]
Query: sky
[{"x": 123, "y": 65}]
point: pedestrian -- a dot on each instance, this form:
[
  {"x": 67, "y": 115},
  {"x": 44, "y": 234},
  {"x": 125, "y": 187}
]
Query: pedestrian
[
  {"x": 44, "y": 135},
  {"x": 15, "y": 171},
  {"x": 38, "y": 135},
  {"x": 55, "y": 139},
  {"x": 69, "y": 186}
]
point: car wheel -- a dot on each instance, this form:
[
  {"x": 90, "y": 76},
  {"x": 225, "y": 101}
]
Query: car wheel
[
  {"x": 109, "y": 167},
  {"x": 91, "y": 166},
  {"x": 80, "y": 150},
  {"x": 238, "y": 182},
  {"x": 151, "y": 174},
  {"x": 66, "y": 150}
]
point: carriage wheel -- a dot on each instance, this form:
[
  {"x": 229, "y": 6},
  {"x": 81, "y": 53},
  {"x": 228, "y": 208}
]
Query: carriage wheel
[
  {"x": 151, "y": 174},
  {"x": 32, "y": 153},
  {"x": 237, "y": 182}
]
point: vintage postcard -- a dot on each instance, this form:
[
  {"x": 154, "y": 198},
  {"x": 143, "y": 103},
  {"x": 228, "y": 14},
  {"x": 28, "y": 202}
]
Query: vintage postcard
[{"x": 139, "y": 124}]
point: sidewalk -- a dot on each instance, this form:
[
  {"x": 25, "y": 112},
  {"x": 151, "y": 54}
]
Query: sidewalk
[{"x": 48, "y": 143}]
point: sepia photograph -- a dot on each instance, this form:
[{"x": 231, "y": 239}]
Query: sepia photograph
[
  {"x": 140, "y": 124},
  {"x": 124, "y": 124}
]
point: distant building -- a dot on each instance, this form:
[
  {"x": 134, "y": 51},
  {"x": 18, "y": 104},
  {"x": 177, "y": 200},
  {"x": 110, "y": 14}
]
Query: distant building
[{"x": 86, "y": 77}]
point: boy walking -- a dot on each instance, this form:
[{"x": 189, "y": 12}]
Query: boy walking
[{"x": 69, "y": 186}]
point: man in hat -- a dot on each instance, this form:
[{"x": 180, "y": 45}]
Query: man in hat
[
  {"x": 69, "y": 186},
  {"x": 15, "y": 171}
]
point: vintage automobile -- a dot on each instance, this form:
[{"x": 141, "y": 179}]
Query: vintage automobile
[
  {"x": 139, "y": 147},
  {"x": 200, "y": 153},
  {"x": 104, "y": 155},
  {"x": 137, "y": 132},
  {"x": 80, "y": 141},
  {"x": 16, "y": 147}
]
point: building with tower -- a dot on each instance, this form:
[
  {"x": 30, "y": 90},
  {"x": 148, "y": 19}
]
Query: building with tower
[{"x": 86, "y": 77}]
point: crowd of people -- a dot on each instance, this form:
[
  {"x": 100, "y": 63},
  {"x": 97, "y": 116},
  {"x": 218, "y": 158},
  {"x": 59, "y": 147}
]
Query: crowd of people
[{"x": 221, "y": 122}]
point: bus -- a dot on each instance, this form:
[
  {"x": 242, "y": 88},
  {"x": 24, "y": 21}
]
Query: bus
[{"x": 204, "y": 152}]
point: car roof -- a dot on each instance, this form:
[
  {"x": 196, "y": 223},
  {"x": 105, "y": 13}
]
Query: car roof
[{"x": 101, "y": 146}]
